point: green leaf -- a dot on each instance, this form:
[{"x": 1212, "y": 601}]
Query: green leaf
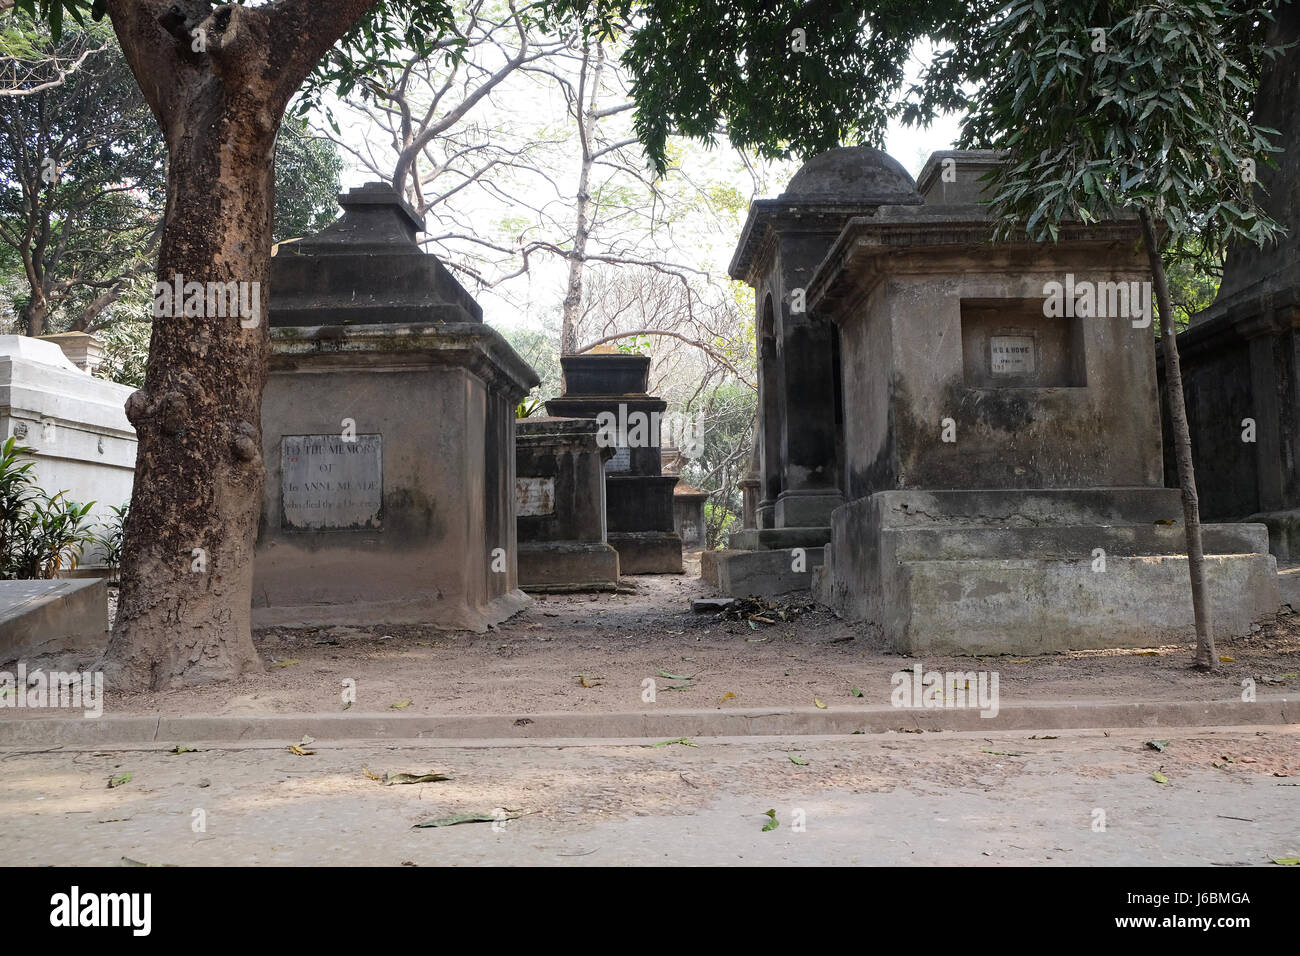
[
  {"x": 681, "y": 741},
  {"x": 178, "y": 749},
  {"x": 1288, "y": 861},
  {"x": 772, "y": 822},
  {"x": 1159, "y": 777},
  {"x": 119, "y": 780},
  {"x": 674, "y": 676},
  {"x": 795, "y": 760},
  {"x": 1159, "y": 745}
]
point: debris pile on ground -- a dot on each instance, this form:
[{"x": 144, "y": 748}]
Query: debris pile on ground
[{"x": 759, "y": 610}]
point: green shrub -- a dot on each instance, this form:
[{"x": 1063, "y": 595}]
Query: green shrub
[
  {"x": 40, "y": 534},
  {"x": 111, "y": 540}
]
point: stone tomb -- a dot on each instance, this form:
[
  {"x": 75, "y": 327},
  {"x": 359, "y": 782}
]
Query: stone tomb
[
  {"x": 560, "y": 506},
  {"x": 388, "y": 435},
  {"x": 76, "y": 423},
  {"x": 688, "y": 503},
  {"x": 1002, "y": 439},
  {"x": 799, "y": 432},
  {"x": 1241, "y": 356},
  {"x": 638, "y": 496}
]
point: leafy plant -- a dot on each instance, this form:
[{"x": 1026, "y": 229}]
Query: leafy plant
[
  {"x": 40, "y": 534},
  {"x": 110, "y": 541},
  {"x": 634, "y": 345},
  {"x": 16, "y": 494}
]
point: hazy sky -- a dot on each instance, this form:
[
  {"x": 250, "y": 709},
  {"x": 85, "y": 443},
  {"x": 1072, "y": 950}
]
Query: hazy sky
[{"x": 522, "y": 103}]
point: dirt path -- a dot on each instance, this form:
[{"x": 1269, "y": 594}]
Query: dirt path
[{"x": 539, "y": 661}]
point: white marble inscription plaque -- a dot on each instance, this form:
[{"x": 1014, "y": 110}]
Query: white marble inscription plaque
[
  {"x": 534, "y": 496},
  {"x": 622, "y": 460},
  {"x": 328, "y": 484},
  {"x": 1013, "y": 354}
]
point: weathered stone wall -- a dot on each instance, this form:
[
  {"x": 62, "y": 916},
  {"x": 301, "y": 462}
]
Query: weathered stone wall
[
  {"x": 447, "y": 466},
  {"x": 905, "y": 371}
]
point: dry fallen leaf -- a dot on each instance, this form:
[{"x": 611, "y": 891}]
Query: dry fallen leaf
[
  {"x": 392, "y": 778},
  {"x": 300, "y": 751},
  {"x": 819, "y": 702}
]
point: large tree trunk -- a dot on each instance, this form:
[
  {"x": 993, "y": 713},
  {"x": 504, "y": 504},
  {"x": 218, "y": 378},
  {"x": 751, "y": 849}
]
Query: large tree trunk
[
  {"x": 1205, "y": 656},
  {"x": 187, "y": 574},
  {"x": 184, "y": 608}
]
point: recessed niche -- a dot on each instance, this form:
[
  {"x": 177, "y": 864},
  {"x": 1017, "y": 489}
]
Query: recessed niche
[{"x": 1009, "y": 343}]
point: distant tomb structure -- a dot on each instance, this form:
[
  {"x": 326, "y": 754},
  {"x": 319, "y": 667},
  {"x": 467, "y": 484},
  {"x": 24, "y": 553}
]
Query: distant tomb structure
[
  {"x": 611, "y": 388},
  {"x": 688, "y": 504},
  {"x": 388, "y": 433},
  {"x": 560, "y": 506}
]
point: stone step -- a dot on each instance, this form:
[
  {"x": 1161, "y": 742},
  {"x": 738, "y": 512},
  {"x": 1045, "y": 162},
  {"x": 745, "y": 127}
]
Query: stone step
[
  {"x": 759, "y": 573},
  {"x": 1031, "y": 606},
  {"x": 1025, "y": 507},
  {"x": 1071, "y": 542},
  {"x": 765, "y": 539}
]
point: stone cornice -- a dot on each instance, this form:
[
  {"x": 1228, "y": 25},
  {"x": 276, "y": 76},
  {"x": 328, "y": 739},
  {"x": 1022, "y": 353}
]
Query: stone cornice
[
  {"x": 471, "y": 345},
  {"x": 767, "y": 217},
  {"x": 923, "y": 241}
]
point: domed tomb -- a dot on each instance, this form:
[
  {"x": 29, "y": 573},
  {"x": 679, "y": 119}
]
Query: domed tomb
[{"x": 852, "y": 174}]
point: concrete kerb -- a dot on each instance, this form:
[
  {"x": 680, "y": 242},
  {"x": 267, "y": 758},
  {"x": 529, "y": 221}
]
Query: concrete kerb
[{"x": 660, "y": 725}]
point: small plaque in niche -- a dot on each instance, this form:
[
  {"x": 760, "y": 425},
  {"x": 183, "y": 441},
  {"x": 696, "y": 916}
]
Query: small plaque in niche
[
  {"x": 534, "y": 496},
  {"x": 622, "y": 460},
  {"x": 1012, "y": 354},
  {"x": 328, "y": 484}
]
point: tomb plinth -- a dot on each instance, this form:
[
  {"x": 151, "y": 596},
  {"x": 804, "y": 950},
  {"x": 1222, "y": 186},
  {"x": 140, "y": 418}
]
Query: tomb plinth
[
  {"x": 387, "y": 433},
  {"x": 560, "y": 506},
  {"x": 611, "y": 388},
  {"x": 1002, "y": 439}
]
